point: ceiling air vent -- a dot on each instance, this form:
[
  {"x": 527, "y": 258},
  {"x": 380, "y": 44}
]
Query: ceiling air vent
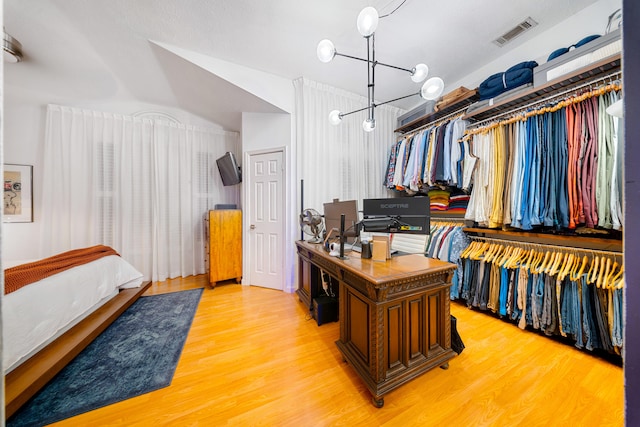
[{"x": 515, "y": 32}]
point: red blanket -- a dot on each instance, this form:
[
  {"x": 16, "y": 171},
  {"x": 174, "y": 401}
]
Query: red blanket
[{"x": 21, "y": 275}]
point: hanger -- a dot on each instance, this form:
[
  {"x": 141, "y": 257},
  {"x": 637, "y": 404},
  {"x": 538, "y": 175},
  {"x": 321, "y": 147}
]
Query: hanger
[
  {"x": 519, "y": 260},
  {"x": 535, "y": 268},
  {"x": 608, "y": 281},
  {"x": 465, "y": 252},
  {"x": 483, "y": 250},
  {"x": 613, "y": 281},
  {"x": 505, "y": 256},
  {"x": 610, "y": 271},
  {"x": 590, "y": 268},
  {"x": 513, "y": 259},
  {"x": 593, "y": 271},
  {"x": 536, "y": 262},
  {"x": 567, "y": 261},
  {"x": 573, "y": 265},
  {"x": 533, "y": 262},
  {"x": 500, "y": 254},
  {"x": 601, "y": 271},
  {"x": 557, "y": 266},
  {"x": 547, "y": 256},
  {"x": 530, "y": 260},
  {"x": 479, "y": 249},
  {"x": 504, "y": 250},
  {"x": 574, "y": 274},
  {"x": 552, "y": 269},
  {"x": 524, "y": 261},
  {"x": 489, "y": 254},
  {"x": 585, "y": 260}
]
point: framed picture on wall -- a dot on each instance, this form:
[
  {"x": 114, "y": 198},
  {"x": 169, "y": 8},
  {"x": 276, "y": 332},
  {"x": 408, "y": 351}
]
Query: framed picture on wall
[{"x": 18, "y": 193}]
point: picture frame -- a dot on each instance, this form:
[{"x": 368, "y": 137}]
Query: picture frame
[{"x": 18, "y": 193}]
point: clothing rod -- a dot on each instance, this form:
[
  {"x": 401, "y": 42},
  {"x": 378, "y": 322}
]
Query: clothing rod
[
  {"x": 446, "y": 219},
  {"x": 439, "y": 119},
  {"x": 546, "y": 100},
  {"x": 544, "y": 247}
]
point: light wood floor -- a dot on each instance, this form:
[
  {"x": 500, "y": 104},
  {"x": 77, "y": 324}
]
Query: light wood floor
[{"x": 253, "y": 358}]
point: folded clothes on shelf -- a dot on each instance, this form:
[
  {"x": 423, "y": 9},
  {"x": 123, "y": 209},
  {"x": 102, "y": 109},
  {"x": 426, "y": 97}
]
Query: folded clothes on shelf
[{"x": 515, "y": 76}]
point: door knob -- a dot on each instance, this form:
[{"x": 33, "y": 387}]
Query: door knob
[{"x": 252, "y": 226}]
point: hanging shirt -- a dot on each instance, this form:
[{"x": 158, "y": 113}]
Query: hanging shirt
[
  {"x": 499, "y": 169},
  {"x": 614, "y": 203},
  {"x": 411, "y": 162},
  {"x": 457, "y": 131},
  {"x": 416, "y": 181},
  {"x": 510, "y": 148},
  {"x": 399, "y": 168},
  {"x": 446, "y": 154},
  {"x": 389, "y": 176},
  {"x": 604, "y": 184}
]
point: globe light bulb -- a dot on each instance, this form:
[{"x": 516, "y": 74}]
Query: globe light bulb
[
  {"x": 326, "y": 50},
  {"x": 369, "y": 125},
  {"x": 419, "y": 73},
  {"x": 334, "y": 117},
  {"x": 432, "y": 88},
  {"x": 367, "y": 21}
]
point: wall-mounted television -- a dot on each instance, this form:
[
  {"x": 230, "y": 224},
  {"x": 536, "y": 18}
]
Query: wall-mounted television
[{"x": 229, "y": 169}]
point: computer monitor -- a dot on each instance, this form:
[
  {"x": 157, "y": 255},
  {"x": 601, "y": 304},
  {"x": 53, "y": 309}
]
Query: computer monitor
[
  {"x": 398, "y": 215},
  {"x": 332, "y": 212}
]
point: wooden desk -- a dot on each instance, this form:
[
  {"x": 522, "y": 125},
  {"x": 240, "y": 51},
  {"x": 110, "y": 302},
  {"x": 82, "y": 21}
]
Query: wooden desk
[{"x": 394, "y": 316}]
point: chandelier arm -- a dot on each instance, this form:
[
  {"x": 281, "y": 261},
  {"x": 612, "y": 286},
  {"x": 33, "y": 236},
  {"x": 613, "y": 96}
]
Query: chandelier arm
[
  {"x": 376, "y": 62},
  {"x": 393, "y": 66},
  {"x": 377, "y": 105},
  {"x": 351, "y": 57},
  {"x": 396, "y": 99},
  {"x": 356, "y": 111}
]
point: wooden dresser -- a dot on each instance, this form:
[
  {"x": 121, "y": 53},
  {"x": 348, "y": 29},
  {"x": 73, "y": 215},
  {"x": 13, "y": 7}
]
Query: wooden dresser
[
  {"x": 225, "y": 245},
  {"x": 395, "y": 321}
]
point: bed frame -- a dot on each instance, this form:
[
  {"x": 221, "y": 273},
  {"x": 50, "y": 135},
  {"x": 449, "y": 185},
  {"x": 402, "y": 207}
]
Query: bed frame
[{"x": 27, "y": 379}]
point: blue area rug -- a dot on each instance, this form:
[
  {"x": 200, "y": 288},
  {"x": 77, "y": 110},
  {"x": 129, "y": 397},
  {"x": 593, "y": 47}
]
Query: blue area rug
[{"x": 136, "y": 354}]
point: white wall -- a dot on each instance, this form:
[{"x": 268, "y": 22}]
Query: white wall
[
  {"x": 262, "y": 132},
  {"x": 591, "y": 20}
]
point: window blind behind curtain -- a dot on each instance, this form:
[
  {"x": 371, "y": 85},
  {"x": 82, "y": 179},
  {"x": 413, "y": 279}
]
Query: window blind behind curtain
[{"x": 139, "y": 185}]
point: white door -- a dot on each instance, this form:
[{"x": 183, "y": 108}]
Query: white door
[{"x": 266, "y": 219}]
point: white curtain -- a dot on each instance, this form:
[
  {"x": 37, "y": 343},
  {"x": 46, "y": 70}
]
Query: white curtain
[
  {"x": 340, "y": 162},
  {"x": 141, "y": 186}
]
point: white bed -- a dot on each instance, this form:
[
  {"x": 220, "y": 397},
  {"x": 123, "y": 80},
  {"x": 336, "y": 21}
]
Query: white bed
[{"x": 38, "y": 313}]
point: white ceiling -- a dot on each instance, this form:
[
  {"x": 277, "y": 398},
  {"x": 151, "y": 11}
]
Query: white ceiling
[{"x": 100, "y": 50}]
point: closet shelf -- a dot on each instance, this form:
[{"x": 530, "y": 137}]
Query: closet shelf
[
  {"x": 570, "y": 241},
  {"x": 575, "y": 78},
  {"x": 578, "y": 77},
  {"x": 444, "y": 215},
  {"x": 463, "y": 102}
]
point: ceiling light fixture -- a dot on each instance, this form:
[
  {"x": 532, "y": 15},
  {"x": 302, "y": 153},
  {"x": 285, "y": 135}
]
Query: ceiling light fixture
[
  {"x": 12, "y": 49},
  {"x": 367, "y": 23}
]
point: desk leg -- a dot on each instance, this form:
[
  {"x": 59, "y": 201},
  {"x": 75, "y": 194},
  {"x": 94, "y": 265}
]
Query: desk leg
[{"x": 378, "y": 402}]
